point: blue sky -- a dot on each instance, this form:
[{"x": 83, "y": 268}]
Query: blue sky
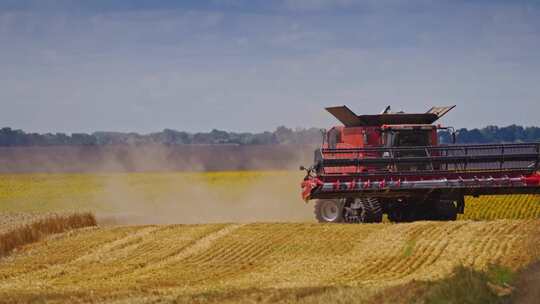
[{"x": 243, "y": 65}]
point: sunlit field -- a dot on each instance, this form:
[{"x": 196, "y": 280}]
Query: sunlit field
[
  {"x": 283, "y": 262},
  {"x": 161, "y": 197},
  {"x": 233, "y": 249},
  {"x": 201, "y": 197}
]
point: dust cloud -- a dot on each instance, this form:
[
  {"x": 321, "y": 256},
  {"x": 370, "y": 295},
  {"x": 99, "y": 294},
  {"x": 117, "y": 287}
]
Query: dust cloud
[
  {"x": 179, "y": 184},
  {"x": 147, "y": 158},
  {"x": 170, "y": 197},
  {"x": 189, "y": 199}
]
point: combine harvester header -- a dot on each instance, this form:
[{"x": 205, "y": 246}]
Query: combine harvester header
[{"x": 392, "y": 163}]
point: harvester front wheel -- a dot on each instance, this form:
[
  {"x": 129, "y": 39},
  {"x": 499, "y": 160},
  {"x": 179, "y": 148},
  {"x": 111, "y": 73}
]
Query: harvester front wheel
[{"x": 329, "y": 211}]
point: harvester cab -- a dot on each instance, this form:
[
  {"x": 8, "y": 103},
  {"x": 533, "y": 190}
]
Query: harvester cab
[{"x": 392, "y": 163}]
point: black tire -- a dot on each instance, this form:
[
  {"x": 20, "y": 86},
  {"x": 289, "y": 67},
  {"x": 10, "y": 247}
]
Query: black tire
[
  {"x": 371, "y": 211},
  {"x": 411, "y": 211},
  {"x": 329, "y": 211},
  {"x": 399, "y": 214},
  {"x": 446, "y": 210}
]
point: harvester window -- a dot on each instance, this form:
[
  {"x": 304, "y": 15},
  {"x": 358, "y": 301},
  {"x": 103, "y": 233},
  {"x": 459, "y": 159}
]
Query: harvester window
[
  {"x": 407, "y": 138},
  {"x": 412, "y": 138}
]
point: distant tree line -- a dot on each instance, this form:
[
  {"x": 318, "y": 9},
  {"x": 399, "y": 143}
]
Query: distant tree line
[
  {"x": 493, "y": 134},
  {"x": 282, "y": 135}
]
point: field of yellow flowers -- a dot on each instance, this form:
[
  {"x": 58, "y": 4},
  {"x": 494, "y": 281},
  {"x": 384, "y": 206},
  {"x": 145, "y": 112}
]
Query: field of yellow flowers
[{"x": 243, "y": 196}]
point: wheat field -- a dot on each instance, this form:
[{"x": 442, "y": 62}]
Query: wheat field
[
  {"x": 246, "y": 237},
  {"x": 18, "y": 229},
  {"x": 242, "y": 196},
  {"x": 144, "y": 263}
]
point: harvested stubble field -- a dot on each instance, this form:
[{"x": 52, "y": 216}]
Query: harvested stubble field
[
  {"x": 187, "y": 262},
  {"x": 241, "y": 261}
]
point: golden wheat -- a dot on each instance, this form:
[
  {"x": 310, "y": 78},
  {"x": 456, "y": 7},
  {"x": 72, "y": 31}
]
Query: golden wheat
[
  {"x": 21, "y": 229},
  {"x": 514, "y": 206},
  {"x": 261, "y": 195},
  {"x": 227, "y": 262},
  {"x": 146, "y": 263}
]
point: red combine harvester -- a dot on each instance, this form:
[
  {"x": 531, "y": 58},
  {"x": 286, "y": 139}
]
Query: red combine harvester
[{"x": 392, "y": 163}]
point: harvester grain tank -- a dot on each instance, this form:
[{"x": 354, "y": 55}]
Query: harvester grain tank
[{"x": 392, "y": 163}]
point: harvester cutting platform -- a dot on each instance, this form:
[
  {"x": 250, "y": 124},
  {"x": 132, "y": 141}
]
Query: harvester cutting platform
[{"x": 392, "y": 163}]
